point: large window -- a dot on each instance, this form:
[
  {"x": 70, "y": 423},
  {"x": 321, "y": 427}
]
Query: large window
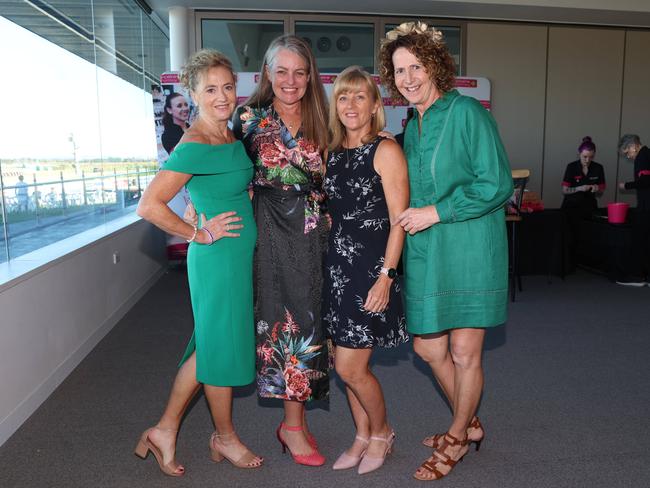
[
  {"x": 78, "y": 141},
  {"x": 338, "y": 45},
  {"x": 243, "y": 41},
  {"x": 338, "y": 41}
]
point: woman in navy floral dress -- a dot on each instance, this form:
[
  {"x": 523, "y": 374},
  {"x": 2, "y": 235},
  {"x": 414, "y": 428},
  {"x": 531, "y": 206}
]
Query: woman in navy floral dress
[
  {"x": 283, "y": 126},
  {"x": 367, "y": 186}
]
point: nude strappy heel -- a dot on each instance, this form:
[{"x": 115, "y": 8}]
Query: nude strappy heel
[
  {"x": 145, "y": 446},
  {"x": 345, "y": 461},
  {"x": 369, "y": 463},
  {"x": 248, "y": 460}
]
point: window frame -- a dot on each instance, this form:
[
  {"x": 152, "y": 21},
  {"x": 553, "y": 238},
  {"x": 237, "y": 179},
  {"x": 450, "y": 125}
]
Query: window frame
[{"x": 290, "y": 18}]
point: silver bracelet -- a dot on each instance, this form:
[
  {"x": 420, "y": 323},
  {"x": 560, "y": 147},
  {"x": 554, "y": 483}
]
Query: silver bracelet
[{"x": 193, "y": 235}]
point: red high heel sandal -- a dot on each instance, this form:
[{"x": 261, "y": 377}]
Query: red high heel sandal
[{"x": 314, "y": 458}]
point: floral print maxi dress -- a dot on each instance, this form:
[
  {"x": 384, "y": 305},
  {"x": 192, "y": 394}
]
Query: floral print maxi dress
[
  {"x": 357, "y": 243},
  {"x": 292, "y": 355}
]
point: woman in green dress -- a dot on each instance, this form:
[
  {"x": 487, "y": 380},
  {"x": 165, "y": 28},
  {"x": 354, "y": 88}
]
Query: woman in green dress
[
  {"x": 221, "y": 353},
  {"x": 456, "y": 253}
]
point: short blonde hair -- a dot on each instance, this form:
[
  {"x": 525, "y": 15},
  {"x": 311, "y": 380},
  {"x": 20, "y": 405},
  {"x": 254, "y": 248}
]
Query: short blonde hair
[
  {"x": 200, "y": 62},
  {"x": 354, "y": 78}
]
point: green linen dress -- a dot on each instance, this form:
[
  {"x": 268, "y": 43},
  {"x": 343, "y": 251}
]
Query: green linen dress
[
  {"x": 220, "y": 275},
  {"x": 456, "y": 271}
]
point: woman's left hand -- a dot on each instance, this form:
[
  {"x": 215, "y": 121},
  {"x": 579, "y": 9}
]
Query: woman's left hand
[
  {"x": 415, "y": 220},
  {"x": 378, "y": 295}
]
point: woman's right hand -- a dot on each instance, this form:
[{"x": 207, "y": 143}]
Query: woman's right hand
[{"x": 220, "y": 226}]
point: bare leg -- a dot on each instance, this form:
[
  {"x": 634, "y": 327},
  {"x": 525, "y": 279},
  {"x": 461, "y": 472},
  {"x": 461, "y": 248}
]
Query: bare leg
[
  {"x": 361, "y": 422},
  {"x": 183, "y": 390},
  {"x": 220, "y": 402},
  {"x": 352, "y": 367},
  {"x": 434, "y": 350},
  {"x": 294, "y": 415},
  {"x": 466, "y": 352}
]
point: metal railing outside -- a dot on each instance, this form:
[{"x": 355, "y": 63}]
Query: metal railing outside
[{"x": 29, "y": 207}]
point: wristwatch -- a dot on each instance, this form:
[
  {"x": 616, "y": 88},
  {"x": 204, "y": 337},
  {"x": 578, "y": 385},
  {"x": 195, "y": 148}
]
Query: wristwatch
[{"x": 390, "y": 272}]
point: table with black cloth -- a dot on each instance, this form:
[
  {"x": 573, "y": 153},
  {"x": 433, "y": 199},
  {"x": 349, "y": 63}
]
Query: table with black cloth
[
  {"x": 542, "y": 244},
  {"x": 603, "y": 247}
]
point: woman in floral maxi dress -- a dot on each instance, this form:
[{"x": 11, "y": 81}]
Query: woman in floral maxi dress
[{"x": 284, "y": 129}]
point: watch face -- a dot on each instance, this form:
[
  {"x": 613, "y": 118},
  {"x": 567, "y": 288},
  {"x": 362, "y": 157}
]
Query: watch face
[{"x": 392, "y": 273}]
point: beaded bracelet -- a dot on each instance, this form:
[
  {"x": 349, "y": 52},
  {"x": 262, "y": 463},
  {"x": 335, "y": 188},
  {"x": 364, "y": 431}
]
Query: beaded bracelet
[{"x": 193, "y": 235}]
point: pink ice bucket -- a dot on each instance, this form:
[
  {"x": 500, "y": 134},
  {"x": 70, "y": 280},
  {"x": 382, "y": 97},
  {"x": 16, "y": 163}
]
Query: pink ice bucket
[{"x": 616, "y": 212}]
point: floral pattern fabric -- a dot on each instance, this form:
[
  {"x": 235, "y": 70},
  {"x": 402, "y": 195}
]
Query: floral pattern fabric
[
  {"x": 357, "y": 244},
  {"x": 292, "y": 355},
  {"x": 283, "y": 161}
]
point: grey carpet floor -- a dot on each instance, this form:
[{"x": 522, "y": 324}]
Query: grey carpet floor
[{"x": 566, "y": 404}]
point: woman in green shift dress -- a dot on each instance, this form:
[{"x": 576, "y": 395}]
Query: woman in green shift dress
[
  {"x": 456, "y": 253},
  {"x": 221, "y": 353}
]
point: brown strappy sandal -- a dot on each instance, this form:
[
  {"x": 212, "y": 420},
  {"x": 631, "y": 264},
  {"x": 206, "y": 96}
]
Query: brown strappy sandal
[
  {"x": 440, "y": 457},
  {"x": 434, "y": 440}
]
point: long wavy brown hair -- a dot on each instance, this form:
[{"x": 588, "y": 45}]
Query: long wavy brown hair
[
  {"x": 313, "y": 106},
  {"x": 433, "y": 54}
]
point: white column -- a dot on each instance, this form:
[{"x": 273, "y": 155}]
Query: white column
[
  {"x": 179, "y": 39},
  {"x": 105, "y": 30}
]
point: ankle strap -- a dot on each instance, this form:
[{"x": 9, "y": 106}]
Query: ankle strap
[
  {"x": 362, "y": 439},
  {"x": 218, "y": 436},
  {"x": 386, "y": 439},
  {"x": 291, "y": 428},
  {"x": 454, "y": 440},
  {"x": 165, "y": 430}
]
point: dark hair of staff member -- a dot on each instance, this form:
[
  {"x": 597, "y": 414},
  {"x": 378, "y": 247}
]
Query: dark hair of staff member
[{"x": 584, "y": 180}]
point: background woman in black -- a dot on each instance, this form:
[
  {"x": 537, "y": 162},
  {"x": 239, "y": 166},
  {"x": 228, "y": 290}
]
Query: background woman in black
[
  {"x": 584, "y": 180},
  {"x": 583, "y": 183},
  {"x": 631, "y": 147}
]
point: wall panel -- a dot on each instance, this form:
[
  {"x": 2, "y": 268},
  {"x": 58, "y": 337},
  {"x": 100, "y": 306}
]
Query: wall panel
[
  {"x": 513, "y": 58},
  {"x": 585, "y": 76}
]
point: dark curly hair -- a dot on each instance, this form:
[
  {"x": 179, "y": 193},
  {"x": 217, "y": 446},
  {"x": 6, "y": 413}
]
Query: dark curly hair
[{"x": 433, "y": 55}]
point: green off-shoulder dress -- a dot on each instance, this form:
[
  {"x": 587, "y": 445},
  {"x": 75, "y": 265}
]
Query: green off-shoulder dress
[{"x": 220, "y": 275}]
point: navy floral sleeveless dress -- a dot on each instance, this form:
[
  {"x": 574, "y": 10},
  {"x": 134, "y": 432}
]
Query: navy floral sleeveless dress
[
  {"x": 292, "y": 353},
  {"x": 357, "y": 243}
]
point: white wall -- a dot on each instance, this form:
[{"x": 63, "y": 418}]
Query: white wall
[{"x": 54, "y": 317}]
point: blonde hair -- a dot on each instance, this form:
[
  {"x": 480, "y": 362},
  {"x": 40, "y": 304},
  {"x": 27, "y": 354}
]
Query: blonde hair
[
  {"x": 354, "y": 78},
  {"x": 200, "y": 62},
  {"x": 313, "y": 106}
]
